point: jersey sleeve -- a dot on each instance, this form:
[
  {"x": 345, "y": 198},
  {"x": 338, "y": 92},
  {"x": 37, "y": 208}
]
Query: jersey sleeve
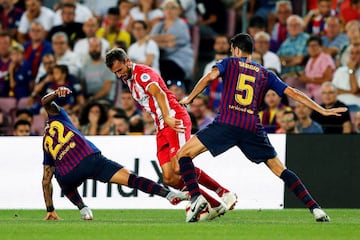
[
  {"x": 146, "y": 78},
  {"x": 48, "y": 160},
  {"x": 276, "y": 84},
  {"x": 221, "y": 65}
]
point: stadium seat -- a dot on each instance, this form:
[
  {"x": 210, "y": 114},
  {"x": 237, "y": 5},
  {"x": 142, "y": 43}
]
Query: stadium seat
[
  {"x": 23, "y": 102},
  {"x": 38, "y": 124},
  {"x": 7, "y": 104}
]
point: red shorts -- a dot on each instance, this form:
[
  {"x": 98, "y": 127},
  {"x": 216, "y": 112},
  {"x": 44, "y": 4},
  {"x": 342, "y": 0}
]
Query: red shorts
[{"x": 168, "y": 141}]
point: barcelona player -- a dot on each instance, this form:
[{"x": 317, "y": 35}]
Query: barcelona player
[
  {"x": 73, "y": 159},
  {"x": 173, "y": 125},
  {"x": 238, "y": 124}
]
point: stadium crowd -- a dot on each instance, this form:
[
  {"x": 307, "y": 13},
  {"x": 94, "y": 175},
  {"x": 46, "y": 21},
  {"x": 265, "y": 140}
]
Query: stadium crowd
[{"x": 46, "y": 44}]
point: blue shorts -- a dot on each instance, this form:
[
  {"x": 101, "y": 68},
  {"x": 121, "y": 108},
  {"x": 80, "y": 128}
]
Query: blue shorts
[
  {"x": 218, "y": 138},
  {"x": 95, "y": 166}
]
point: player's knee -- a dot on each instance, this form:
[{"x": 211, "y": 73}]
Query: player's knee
[{"x": 170, "y": 181}]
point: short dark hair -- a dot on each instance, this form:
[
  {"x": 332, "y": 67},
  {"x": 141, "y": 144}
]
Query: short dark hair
[
  {"x": 113, "y": 11},
  {"x": 24, "y": 111},
  {"x": 143, "y": 23},
  {"x": 314, "y": 39},
  {"x": 115, "y": 54},
  {"x": 21, "y": 122},
  {"x": 292, "y": 113},
  {"x": 63, "y": 68},
  {"x": 122, "y": 116},
  {"x": 243, "y": 41}
]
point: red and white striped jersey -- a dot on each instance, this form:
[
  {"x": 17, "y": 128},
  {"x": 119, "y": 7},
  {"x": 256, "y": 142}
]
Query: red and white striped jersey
[{"x": 142, "y": 77}]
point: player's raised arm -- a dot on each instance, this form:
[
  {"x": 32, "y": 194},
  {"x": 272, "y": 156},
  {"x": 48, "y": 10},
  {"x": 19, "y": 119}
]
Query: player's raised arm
[
  {"x": 48, "y": 192},
  {"x": 303, "y": 98},
  {"x": 48, "y": 100},
  {"x": 201, "y": 85}
]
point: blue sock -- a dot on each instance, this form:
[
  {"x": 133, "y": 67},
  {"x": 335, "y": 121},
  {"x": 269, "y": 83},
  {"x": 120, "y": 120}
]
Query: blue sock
[
  {"x": 189, "y": 176},
  {"x": 293, "y": 182}
]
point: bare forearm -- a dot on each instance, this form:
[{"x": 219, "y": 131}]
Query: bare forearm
[
  {"x": 47, "y": 186},
  {"x": 301, "y": 97}
]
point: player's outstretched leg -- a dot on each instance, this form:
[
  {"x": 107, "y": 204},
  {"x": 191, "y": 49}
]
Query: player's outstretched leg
[
  {"x": 294, "y": 183},
  {"x": 149, "y": 186}
]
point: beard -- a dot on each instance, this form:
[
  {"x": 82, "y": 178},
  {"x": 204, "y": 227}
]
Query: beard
[{"x": 95, "y": 55}]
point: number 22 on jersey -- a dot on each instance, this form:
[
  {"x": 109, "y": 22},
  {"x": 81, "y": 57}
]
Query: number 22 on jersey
[{"x": 56, "y": 127}]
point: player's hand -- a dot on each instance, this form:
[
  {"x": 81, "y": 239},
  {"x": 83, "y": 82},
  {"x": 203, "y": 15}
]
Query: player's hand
[
  {"x": 51, "y": 216},
  {"x": 185, "y": 101},
  {"x": 63, "y": 91},
  {"x": 334, "y": 111},
  {"x": 175, "y": 124}
]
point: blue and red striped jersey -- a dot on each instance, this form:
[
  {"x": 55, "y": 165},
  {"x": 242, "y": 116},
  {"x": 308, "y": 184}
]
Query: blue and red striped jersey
[
  {"x": 65, "y": 146},
  {"x": 245, "y": 85}
]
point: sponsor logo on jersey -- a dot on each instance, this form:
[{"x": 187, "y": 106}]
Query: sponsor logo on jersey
[{"x": 145, "y": 77}]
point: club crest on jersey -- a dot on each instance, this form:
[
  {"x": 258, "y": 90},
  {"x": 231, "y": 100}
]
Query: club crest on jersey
[{"x": 145, "y": 77}]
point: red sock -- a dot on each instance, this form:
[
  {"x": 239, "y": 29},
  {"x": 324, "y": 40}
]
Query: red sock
[
  {"x": 212, "y": 201},
  {"x": 209, "y": 182}
]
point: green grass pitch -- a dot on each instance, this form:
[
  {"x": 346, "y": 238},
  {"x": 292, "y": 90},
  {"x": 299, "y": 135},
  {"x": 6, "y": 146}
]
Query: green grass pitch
[{"x": 170, "y": 225}]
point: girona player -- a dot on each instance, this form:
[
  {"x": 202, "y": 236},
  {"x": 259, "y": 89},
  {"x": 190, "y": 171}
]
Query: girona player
[{"x": 173, "y": 125}]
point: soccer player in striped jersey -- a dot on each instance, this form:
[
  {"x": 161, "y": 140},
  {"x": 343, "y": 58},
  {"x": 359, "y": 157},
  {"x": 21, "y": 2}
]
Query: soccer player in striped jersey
[
  {"x": 73, "y": 159},
  {"x": 173, "y": 125},
  {"x": 237, "y": 123}
]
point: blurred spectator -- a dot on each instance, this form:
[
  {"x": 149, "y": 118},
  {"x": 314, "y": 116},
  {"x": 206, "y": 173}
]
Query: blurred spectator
[
  {"x": 63, "y": 55},
  {"x": 82, "y": 12},
  {"x": 108, "y": 126},
  {"x": 22, "y": 128},
  {"x": 349, "y": 10},
  {"x": 268, "y": 115},
  {"x": 332, "y": 124},
  {"x": 98, "y": 81},
  {"x": 212, "y": 18},
  {"x": 189, "y": 11},
  {"x": 149, "y": 123},
  {"x": 121, "y": 124},
  {"x": 173, "y": 38},
  {"x": 92, "y": 118},
  {"x": 5, "y": 44},
  {"x": 213, "y": 91},
  {"x": 74, "y": 119},
  {"x": 4, "y": 123},
  {"x": 316, "y": 19},
  {"x": 110, "y": 31},
  {"x": 48, "y": 61},
  {"x": 34, "y": 12},
  {"x": 283, "y": 10},
  {"x": 200, "y": 111},
  {"x": 288, "y": 122},
  {"x": 61, "y": 77},
  {"x": 24, "y": 114},
  {"x": 293, "y": 49},
  {"x": 68, "y": 25},
  {"x": 20, "y": 76},
  {"x": 148, "y": 11},
  {"x": 319, "y": 68},
  {"x": 36, "y": 47},
  {"x": 352, "y": 29},
  {"x": 132, "y": 112},
  {"x": 305, "y": 123},
  {"x": 177, "y": 87},
  {"x": 144, "y": 50},
  {"x": 99, "y": 8},
  {"x": 262, "y": 46},
  {"x": 347, "y": 80},
  {"x": 81, "y": 47},
  {"x": 357, "y": 123},
  {"x": 124, "y": 9},
  {"x": 334, "y": 40},
  {"x": 10, "y": 16}
]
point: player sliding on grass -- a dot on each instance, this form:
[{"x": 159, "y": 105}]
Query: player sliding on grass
[
  {"x": 237, "y": 123},
  {"x": 173, "y": 125},
  {"x": 74, "y": 159}
]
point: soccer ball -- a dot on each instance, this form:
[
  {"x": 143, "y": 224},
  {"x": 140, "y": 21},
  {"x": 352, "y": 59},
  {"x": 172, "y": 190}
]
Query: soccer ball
[{"x": 203, "y": 214}]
